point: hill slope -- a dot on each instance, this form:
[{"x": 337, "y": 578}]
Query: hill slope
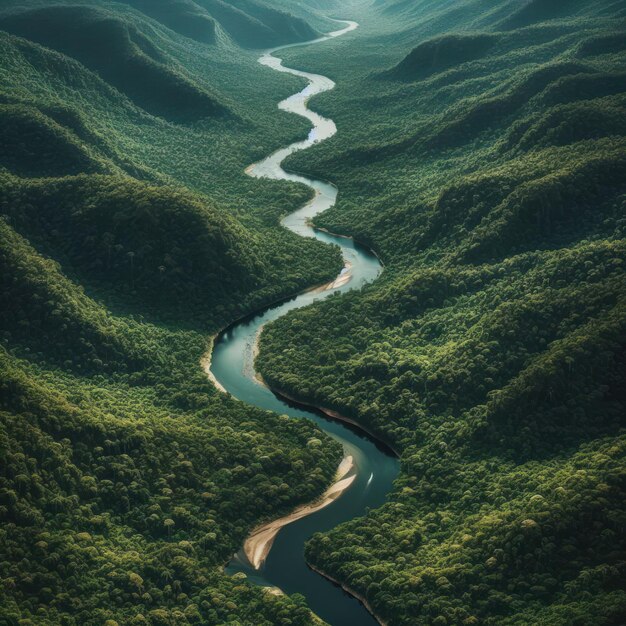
[
  {"x": 183, "y": 16},
  {"x": 491, "y": 351},
  {"x": 120, "y": 54},
  {"x": 126, "y": 241}
]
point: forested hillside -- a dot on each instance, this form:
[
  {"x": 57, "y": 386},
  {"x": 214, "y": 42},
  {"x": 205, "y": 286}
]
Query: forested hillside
[
  {"x": 481, "y": 152},
  {"x": 129, "y": 235}
]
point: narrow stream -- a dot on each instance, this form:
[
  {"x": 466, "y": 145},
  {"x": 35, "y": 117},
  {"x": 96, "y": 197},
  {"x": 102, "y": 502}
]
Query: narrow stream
[{"x": 233, "y": 366}]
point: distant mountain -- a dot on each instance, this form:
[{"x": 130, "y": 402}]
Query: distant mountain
[
  {"x": 254, "y": 24},
  {"x": 251, "y": 23},
  {"x": 120, "y": 54},
  {"x": 183, "y": 16},
  {"x": 441, "y": 53}
]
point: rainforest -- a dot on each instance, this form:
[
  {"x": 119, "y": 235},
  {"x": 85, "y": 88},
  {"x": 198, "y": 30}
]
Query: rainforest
[{"x": 313, "y": 312}]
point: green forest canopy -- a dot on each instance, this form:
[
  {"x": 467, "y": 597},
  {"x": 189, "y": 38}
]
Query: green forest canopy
[
  {"x": 480, "y": 152},
  {"x": 127, "y": 481},
  {"x": 486, "y": 165}
]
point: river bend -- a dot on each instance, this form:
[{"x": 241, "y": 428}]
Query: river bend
[{"x": 232, "y": 365}]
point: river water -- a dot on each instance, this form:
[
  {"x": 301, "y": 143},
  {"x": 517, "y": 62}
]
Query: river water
[{"x": 232, "y": 364}]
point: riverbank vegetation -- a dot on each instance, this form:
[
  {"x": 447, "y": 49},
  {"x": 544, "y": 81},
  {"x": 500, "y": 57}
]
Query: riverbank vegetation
[
  {"x": 129, "y": 234},
  {"x": 481, "y": 153}
]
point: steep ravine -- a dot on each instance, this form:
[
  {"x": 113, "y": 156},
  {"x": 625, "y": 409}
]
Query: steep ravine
[{"x": 375, "y": 467}]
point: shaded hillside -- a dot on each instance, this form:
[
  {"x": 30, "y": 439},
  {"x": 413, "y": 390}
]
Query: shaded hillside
[
  {"x": 33, "y": 144},
  {"x": 442, "y": 53},
  {"x": 50, "y": 315},
  {"x": 183, "y": 16},
  {"x": 250, "y": 23},
  {"x": 533, "y": 11},
  {"x": 255, "y": 24},
  {"x": 284, "y": 26},
  {"x": 147, "y": 242},
  {"x": 120, "y": 54}
]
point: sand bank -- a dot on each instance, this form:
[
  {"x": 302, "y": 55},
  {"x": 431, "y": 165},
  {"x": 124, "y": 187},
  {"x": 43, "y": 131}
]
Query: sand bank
[
  {"x": 258, "y": 544},
  {"x": 205, "y": 363}
]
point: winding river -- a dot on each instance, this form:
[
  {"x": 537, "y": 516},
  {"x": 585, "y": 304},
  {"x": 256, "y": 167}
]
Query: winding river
[{"x": 232, "y": 366}]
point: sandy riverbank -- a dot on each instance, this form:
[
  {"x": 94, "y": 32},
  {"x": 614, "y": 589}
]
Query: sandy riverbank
[
  {"x": 343, "y": 278},
  {"x": 259, "y": 542},
  {"x": 205, "y": 363}
]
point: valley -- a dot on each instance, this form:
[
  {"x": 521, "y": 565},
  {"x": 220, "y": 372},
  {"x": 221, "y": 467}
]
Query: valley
[
  {"x": 370, "y": 468},
  {"x": 474, "y": 149}
]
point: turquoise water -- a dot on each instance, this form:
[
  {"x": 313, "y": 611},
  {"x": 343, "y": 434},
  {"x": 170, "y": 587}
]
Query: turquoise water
[{"x": 233, "y": 366}]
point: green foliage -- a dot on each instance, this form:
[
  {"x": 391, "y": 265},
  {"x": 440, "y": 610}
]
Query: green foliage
[
  {"x": 487, "y": 169},
  {"x": 118, "y": 502},
  {"x": 125, "y": 242},
  {"x": 491, "y": 350},
  {"x": 120, "y": 54}
]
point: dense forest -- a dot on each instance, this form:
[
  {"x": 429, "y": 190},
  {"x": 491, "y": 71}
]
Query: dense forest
[
  {"x": 128, "y": 236},
  {"x": 481, "y": 153}
]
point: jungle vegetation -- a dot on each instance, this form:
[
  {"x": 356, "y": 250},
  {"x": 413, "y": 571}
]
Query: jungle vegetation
[
  {"x": 129, "y": 235},
  {"x": 481, "y": 153}
]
